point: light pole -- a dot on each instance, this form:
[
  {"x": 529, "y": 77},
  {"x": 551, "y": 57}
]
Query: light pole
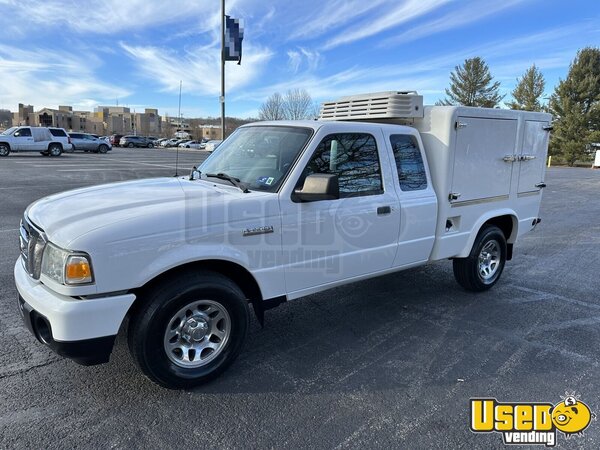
[{"x": 222, "y": 98}]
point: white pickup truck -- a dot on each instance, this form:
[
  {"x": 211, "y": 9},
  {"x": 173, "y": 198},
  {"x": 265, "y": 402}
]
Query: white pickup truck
[{"x": 279, "y": 211}]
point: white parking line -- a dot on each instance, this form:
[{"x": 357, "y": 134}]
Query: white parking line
[{"x": 137, "y": 162}]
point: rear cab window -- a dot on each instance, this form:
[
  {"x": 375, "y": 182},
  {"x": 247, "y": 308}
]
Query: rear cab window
[{"x": 409, "y": 162}]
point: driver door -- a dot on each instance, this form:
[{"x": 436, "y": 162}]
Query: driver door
[
  {"x": 327, "y": 241},
  {"x": 23, "y": 140}
]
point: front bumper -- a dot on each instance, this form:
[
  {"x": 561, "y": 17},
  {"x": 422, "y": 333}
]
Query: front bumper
[{"x": 80, "y": 329}]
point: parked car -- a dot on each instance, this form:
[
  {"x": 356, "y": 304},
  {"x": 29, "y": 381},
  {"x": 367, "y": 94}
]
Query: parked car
[
  {"x": 192, "y": 144},
  {"x": 31, "y": 139},
  {"x": 158, "y": 142},
  {"x": 115, "y": 139},
  {"x": 136, "y": 141},
  {"x": 212, "y": 145},
  {"x": 89, "y": 143},
  {"x": 61, "y": 136},
  {"x": 184, "y": 143},
  {"x": 349, "y": 199}
]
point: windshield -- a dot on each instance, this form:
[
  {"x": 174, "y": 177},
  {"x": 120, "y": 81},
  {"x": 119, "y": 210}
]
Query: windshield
[
  {"x": 9, "y": 131},
  {"x": 260, "y": 156}
]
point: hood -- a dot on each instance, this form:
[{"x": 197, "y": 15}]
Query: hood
[{"x": 66, "y": 216}]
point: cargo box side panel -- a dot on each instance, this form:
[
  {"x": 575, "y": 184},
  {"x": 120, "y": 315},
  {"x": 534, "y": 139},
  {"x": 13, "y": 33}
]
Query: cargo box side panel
[{"x": 480, "y": 172}]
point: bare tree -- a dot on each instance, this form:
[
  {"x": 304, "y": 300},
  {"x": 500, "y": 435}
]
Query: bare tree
[
  {"x": 297, "y": 104},
  {"x": 273, "y": 108}
]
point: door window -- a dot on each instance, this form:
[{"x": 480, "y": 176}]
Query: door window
[
  {"x": 353, "y": 157},
  {"x": 409, "y": 162},
  {"x": 23, "y": 132}
]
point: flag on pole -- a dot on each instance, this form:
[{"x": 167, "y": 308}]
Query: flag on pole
[{"x": 234, "y": 33}]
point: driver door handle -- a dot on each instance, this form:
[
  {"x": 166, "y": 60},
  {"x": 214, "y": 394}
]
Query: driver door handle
[{"x": 381, "y": 210}]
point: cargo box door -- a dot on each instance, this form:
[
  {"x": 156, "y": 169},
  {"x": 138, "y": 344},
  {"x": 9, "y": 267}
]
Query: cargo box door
[
  {"x": 532, "y": 159},
  {"x": 480, "y": 171}
]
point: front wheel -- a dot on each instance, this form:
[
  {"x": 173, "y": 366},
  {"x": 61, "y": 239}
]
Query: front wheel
[
  {"x": 4, "y": 150},
  {"x": 483, "y": 267},
  {"x": 189, "y": 329},
  {"x": 150, "y": 145},
  {"x": 103, "y": 148},
  {"x": 130, "y": 145}
]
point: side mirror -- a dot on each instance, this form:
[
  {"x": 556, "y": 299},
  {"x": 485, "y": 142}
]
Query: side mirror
[{"x": 318, "y": 186}]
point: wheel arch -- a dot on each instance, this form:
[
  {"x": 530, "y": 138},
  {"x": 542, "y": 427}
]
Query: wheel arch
[
  {"x": 6, "y": 143},
  {"x": 234, "y": 271},
  {"x": 506, "y": 220},
  {"x": 55, "y": 143}
]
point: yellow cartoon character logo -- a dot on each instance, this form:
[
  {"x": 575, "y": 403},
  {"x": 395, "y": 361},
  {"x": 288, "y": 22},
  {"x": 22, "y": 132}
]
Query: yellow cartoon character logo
[{"x": 571, "y": 415}]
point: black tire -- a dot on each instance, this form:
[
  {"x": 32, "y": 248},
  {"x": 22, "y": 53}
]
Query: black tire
[
  {"x": 130, "y": 145},
  {"x": 475, "y": 277},
  {"x": 55, "y": 150},
  {"x": 103, "y": 148},
  {"x": 4, "y": 150},
  {"x": 150, "y": 145},
  {"x": 150, "y": 322}
]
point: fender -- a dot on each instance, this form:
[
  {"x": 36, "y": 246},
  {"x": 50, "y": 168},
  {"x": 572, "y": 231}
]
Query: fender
[{"x": 483, "y": 219}]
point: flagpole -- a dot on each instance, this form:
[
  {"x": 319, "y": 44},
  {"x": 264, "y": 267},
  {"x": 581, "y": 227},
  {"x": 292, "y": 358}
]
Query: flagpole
[{"x": 222, "y": 99}]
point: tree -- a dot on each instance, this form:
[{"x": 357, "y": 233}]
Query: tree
[
  {"x": 575, "y": 105},
  {"x": 297, "y": 104},
  {"x": 529, "y": 90},
  {"x": 471, "y": 85},
  {"x": 273, "y": 108}
]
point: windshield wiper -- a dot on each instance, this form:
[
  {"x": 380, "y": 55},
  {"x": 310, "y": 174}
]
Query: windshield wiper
[{"x": 233, "y": 180}]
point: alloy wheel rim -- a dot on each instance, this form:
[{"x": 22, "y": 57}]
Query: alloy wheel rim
[
  {"x": 489, "y": 260},
  {"x": 197, "y": 334}
]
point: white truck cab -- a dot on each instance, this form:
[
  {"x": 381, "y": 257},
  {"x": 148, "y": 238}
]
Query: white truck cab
[{"x": 278, "y": 211}]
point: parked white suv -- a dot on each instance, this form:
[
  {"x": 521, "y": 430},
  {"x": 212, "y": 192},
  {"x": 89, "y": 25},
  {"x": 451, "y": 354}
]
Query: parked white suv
[
  {"x": 280, "y": 211},
  {"x": 31, "y": 139}
]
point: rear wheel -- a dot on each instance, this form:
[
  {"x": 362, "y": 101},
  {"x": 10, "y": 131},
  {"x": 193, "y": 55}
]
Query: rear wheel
[
  {"x": 55, "y": 150},
  {"x": 483, "y": 267},
  {"x": 130, "y": 145},
  {"x": 150, "y": 145},
  {"x": 189, "y": 329},
  {"x": 103, "y": 148},
  {"x": 4, "y": 150}
]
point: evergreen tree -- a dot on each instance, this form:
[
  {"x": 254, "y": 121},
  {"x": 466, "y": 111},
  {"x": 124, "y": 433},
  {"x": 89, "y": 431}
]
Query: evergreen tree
[
  {"x": 575, "y": 105},
  {"x": 528, "y": 93},
  {"x": 472, "y": 85}
]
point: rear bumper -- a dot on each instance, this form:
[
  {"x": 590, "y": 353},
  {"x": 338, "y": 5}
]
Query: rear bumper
[{"x": 81, "y": 329}]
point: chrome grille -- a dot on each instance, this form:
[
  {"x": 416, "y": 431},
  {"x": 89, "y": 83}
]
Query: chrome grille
[{"x": 32, "y": 243}]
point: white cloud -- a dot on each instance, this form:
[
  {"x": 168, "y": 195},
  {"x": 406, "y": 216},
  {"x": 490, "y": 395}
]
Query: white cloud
[
  {"x": 109, "y": 16},
  {"x": 296, "y": 58},
  {"x": 332, "y": 14},
  {"x": 390, "y": 17},
  {"x": 198, "y": 68},
  {"x": 49, "y": 78},
  {"x": 472, "y": 12}
]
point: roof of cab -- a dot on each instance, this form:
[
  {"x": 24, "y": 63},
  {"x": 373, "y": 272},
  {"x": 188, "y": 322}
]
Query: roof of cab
[{"x": 350, "y": 125}]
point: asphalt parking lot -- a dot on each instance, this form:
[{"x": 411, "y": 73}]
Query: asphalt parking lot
[{"x": 385, "y": 363}]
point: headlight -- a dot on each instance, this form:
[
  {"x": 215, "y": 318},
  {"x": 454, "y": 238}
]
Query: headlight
[{"x": 66, "y": 267}]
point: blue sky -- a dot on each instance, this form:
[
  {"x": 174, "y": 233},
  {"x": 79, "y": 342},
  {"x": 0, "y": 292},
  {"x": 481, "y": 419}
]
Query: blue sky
[{"x": 85, "y": 53}]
